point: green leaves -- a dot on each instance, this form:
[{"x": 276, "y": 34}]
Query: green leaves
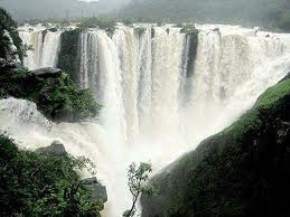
[
  {"x": 8, "y": 25},
  {"x": 65, "y": 98},
  {"x": 56, "y": 96},
  {"x": 138, "y": 177},
  {"x": 36, "y": 185}
]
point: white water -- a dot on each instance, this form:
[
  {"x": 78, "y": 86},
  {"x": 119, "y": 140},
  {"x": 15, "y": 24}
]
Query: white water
[
  {"x": 141, "y": 82},
  {"x": 44, "y": 44}
]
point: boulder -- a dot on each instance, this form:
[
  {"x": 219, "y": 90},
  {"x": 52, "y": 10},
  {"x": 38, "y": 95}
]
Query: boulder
[
  {"x": 98, "y": 191},
  {"x": 56, "y": 148}
]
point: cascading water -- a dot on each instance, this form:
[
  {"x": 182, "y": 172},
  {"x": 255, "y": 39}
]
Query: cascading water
[
  {"x": 157, "y": 103},
  {"x": 44, "y": 46}
]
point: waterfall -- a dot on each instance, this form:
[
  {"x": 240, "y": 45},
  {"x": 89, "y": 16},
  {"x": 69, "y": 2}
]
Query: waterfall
[
  {"x": 157, "y": 103},
  {"x": 44, "y": 46}
]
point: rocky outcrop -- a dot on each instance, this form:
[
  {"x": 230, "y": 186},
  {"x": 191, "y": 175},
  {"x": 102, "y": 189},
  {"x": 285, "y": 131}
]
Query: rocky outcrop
[
  {"x": 54, "y": 93},
  {"x": 98, "y": 191},
  {"x": 47, "y": 72},
  {"x": 56, "y": 149},
  {"x": 69, "y": 55},
  {"x": 240, "y": 172}
]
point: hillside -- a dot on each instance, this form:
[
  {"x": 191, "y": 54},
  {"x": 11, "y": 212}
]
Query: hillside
[
  {"x": 255, "y": 12},
  {"x": 242, "y": 171}
]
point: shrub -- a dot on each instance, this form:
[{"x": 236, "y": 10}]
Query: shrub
[
  {"x": 8, "y": 37},
  {"x": 37, "y": 185},
  {"x": 55, "y": 95}
]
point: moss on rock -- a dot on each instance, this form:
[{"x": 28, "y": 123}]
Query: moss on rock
[{"x": 242, "y": 171}]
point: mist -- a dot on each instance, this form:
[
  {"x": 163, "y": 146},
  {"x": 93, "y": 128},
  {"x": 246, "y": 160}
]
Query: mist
[
  {"x": 23, "y": 10},
  {"x": 244, "y": 12},
  {"x": 256, "y": 12}
]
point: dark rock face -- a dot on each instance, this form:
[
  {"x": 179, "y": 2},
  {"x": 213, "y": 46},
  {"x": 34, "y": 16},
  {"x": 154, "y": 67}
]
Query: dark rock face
[
  {"x": 243, "y": 171},
  {"x": 56, "y": 148},
  {"x": 52, "y": 29},
  {"x": 98, "y": 191},
  {"x": 47, "y": 72},
  {"x": 69, "y": 55}
]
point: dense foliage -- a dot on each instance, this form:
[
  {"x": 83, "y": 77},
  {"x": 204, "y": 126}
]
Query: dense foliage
[
  {"x": 240, "y": 172},
  {"x": 8, "y": 38},
  {"x": 55, "y": 95},
  {"x": 40, "y": 185}
]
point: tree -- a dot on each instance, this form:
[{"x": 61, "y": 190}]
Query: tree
[
  {"x": 138, "y": 178},
  {"x": 11, "y": 47}
]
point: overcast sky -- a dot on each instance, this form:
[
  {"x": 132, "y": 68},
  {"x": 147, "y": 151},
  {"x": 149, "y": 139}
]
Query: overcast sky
[{"x": 88, "y": 0}]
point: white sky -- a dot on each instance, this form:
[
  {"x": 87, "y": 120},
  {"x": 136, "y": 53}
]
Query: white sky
[{"x": 89, "y": 0}]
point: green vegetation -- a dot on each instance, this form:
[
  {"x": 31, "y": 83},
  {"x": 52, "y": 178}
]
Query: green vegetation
[
  {"x": 55, "y": 95},
  {"x": 273, "y": 94},
  {"x": 270, "y": 14},
  {"x": 59, "y": 23},
  {"x": 39, "y": 185},
  {"x": 106, "y": 23},
  {"x": 242, "y": 171},
  {"x": 138, "y": 178},
  {"x": 9, "y": 37}
]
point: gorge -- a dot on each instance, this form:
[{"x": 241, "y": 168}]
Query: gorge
[{"x": 163, "y": 91}]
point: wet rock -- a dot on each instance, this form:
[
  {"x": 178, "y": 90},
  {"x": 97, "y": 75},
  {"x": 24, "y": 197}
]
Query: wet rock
[
  {"x": 56, "y": 148},
  {"x": 98, "y": 191},
  {"x": 217, "y": 178},
  {"x": 52, "y": 29},
  {"x": 47, "y": 72}
]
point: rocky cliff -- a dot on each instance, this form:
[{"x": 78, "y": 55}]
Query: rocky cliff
[{"x": 242, "y": 171}]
